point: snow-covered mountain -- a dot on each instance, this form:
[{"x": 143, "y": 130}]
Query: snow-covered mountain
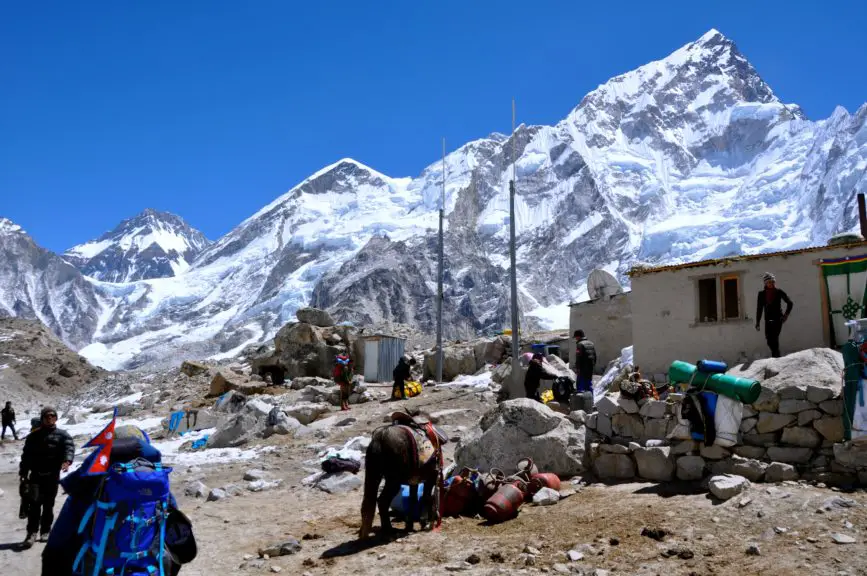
[
  {"x": 689, "y": 157},
  {"x": 37, "y": 284},
  {"x": 151, "y": 245}
]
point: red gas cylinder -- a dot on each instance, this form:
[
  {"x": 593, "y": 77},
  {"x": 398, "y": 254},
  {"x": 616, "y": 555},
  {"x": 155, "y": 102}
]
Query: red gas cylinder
[
  {"x": 547, "y": 480},
  {"x": 458, "y": 496},
  {"x": 504, "y": 504}
]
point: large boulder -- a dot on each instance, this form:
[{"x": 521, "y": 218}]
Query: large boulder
[
  {"x": 790, "y": 376},
  {"x": 315, "y": 316},
  {"x": 192, "y": 368},
  {"x": 457, "y": 360},
  {"x": 306, "y": 412},
  {"x": 226, "y": 380},
  {"x": 523, "y": 428},
  {"x": 303, "y": 350},
  {"x": 495, "y": 350}
]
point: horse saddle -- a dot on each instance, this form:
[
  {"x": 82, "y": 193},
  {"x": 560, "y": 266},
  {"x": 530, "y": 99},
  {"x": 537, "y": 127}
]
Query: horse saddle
[{"x": 419, "y": 424}]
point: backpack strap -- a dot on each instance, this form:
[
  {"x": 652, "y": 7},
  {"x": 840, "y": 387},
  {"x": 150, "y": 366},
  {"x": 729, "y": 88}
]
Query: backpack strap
[{"x": 103, "y": 538}]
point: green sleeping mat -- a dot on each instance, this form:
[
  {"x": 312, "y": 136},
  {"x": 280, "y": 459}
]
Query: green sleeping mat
[{"x": 743, "y": 389}]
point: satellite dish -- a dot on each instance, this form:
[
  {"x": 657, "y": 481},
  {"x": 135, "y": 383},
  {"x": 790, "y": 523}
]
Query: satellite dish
[{"x": 600, "y": 284}]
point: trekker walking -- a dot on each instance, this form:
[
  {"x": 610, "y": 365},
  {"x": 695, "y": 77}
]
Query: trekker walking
[
  {"x": 7, "y": 415},
  {"x": 402, "y": 373},
  {"x": 47, "y": 451},
  {"x": 770, "y": 301},
  {"x": 585, "y": 361}
]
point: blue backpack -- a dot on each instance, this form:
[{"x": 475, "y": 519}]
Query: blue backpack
[{"x": 124, "y": 529}]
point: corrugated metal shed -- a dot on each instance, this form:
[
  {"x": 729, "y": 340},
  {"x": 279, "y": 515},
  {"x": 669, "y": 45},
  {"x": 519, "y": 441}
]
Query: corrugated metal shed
[{"x": 381, "y": 355}]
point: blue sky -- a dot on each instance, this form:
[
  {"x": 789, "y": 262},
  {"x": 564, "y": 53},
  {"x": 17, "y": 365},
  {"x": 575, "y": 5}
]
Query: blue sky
[{"x": 211, "y": 109}]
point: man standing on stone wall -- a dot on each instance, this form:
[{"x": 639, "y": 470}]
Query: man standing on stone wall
[{"x": 770, "y": 302}]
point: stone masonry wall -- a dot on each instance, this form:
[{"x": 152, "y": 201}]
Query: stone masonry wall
[{"x": 795, "y": 432}]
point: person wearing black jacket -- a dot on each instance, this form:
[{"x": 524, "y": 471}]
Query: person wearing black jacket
[
  {"x": 533, "y": 380},
  {"x": 770, "y": 301},
  {"x": 585, "y": 361},
  {"x": 402, "y": 373},
  {"x": 47, "y": 451},
  {"x": 7, "y": 415}
]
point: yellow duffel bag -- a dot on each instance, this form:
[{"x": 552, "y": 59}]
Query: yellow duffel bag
[{"x": 410, "y": 389}]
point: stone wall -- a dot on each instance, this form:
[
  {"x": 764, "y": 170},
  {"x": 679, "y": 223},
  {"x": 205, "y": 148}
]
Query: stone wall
[{"x": 791, "y": 433}]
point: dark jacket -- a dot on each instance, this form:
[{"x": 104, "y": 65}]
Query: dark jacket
[
  {"x": 64, "y": 542},
  {"x": 773, "y": 310},
  {"x": 7, "y": 415},
  {"x": 402, "y": 372},
  {"x": 536, "y": 372},
  {"x": 585, "y": 358},
  {"x": 45, "y": 450}
]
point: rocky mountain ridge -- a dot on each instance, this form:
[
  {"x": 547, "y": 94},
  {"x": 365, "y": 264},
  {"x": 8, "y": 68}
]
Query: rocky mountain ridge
[
  {"x": 685, "y": 158},
  {"x": 153, "y": 244}
]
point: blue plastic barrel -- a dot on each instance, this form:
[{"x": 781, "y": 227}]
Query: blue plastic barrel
[
  {"x": 400, "y": 504},
  {"x": 711, "y": 366}
]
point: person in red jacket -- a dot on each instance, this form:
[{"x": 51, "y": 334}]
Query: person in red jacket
[
  {"x": 343, "y": 377},
  {"x": 770, "y": 301}
]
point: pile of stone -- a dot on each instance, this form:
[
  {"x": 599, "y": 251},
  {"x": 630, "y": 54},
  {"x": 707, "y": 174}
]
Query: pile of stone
[
  {"x": 794, "y": 430},
  {"x": 307, "y": 348}
]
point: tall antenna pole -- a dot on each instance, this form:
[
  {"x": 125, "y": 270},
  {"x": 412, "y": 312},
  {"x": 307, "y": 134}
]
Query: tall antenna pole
[
  {"x": 516, "y": 335},
  {"x": 440, "y": 275}
]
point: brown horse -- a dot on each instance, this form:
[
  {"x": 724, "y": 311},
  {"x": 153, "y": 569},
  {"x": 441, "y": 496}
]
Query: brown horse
[{"x": 392, "y": 455}]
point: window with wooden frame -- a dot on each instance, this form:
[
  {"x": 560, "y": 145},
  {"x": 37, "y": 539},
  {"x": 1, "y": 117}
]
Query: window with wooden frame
[
  {"x": 730, "y": 297},
  {"x": 718, "y": 298}
]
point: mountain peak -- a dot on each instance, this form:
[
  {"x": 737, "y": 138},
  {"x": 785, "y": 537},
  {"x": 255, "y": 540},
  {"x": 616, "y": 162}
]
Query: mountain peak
[
  {"x": 712, "y": 36},
  {"x": 7, "y": 226},
  {"x": 152, "y": 244}
]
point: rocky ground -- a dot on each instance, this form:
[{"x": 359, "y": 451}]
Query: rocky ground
[
  {"x": 35, "y": 366},
  {"x": 787, "y": 528}
]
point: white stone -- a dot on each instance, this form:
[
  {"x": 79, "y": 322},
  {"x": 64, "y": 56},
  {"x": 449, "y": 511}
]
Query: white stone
[
  {"x": 608, "y": 406},
  {"x": 655, "y": 463},
  {"x": 779, "y": 472},
  {"x": 546, "y": 497},
  {"x": 628, "y": 405},
  {"x": 727, "y": 486},
  {"x": 339, "y": 483}
]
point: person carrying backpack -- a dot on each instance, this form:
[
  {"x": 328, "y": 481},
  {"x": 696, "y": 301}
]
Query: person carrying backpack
[
  {"x": 585, "y": 361},
  {"x": 342, "y": 375},
  {"x": 48, "y": 450},
  {"x": 131, "y": 506}
]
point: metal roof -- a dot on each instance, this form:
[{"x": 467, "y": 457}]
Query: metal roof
[{"x": 636, "y": 271}]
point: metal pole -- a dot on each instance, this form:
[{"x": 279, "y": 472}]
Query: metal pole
[
  {"x": 516, "y": 334},
  {"x": 440, "y": 275}
]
